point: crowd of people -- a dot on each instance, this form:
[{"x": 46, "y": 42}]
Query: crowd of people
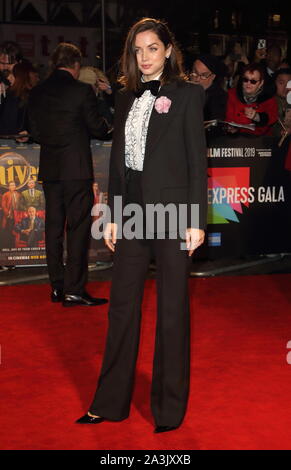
[
  {"x": 251, "y": 95},
  {"x": 248, "y": 93},
  {"x": 19, "y": 76}
]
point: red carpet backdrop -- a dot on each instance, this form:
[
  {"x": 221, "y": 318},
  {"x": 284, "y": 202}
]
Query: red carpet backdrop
[{"x": 240, "y": 383}]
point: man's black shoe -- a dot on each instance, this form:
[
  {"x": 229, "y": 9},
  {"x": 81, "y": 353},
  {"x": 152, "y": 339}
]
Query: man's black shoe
[
  {"x": 86, "y": 419},
  {"x": 57, "y": 295},
  {"x": 85, "y": 300},
  {"x": 164, "y": 429}
]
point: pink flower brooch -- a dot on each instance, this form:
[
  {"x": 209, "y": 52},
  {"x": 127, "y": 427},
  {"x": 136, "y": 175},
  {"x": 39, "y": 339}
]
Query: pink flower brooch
[{"x": 162, "y": 104}]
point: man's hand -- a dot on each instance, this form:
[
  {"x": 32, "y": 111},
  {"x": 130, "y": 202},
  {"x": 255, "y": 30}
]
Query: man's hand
[
  {"x": 110, "y": 236},
  {"x": 194, "y": 238},
  {"x": 22, "y": 139},
  {"x": 104, "y": 86}
]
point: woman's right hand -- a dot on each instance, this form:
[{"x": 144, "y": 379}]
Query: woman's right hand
[{"x": 110, "y": 236}]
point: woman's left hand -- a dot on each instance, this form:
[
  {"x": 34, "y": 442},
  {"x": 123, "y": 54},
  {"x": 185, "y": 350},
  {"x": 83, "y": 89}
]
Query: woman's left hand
[{"x": 194, "y": 238}]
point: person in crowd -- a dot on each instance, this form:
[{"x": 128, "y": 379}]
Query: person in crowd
[
  {"x": 158, "y": 156},
  {"x": 32, "y": 196},
  {"x": 63, "y": 114},
  {"x": 270, "y": 58},
  {"x": 208, "y": 71},
  {"x": 251, "y": 103},
  {"x": 235, "y": 61},
  {"x": 89, "y": 75},
  {"x": 11, "y": 202},
  {"x": 13, "y": 112},
  {"x": 31, "y": 228},
  {"x": 273, "y": 58},
  {"x": 282, "y": 77},
  {"x": 104, "y": 86},
  {"x": 10, "y": 55}
]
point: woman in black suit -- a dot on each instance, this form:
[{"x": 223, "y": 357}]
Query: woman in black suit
[{"x": 158, "y": 157}]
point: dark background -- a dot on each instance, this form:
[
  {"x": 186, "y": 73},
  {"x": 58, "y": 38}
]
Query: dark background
[{"x": 191, "y": 21}]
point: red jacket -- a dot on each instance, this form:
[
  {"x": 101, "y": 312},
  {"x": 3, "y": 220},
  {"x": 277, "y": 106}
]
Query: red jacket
[
  {"x": 7, "y": 206},
  {"x": 235, "y": 112}
]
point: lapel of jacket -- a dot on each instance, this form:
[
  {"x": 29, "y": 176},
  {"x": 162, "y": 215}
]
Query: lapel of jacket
[
  {"x": 126, "y": 100},
  {"x": 159, "y": 121}
]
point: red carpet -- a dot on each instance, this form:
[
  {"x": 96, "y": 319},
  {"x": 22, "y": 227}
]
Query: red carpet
[{"x": 240, "y": 385}]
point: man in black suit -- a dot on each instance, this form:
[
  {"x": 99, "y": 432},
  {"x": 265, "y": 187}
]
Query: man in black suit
[{"x": 63, "y": 114}]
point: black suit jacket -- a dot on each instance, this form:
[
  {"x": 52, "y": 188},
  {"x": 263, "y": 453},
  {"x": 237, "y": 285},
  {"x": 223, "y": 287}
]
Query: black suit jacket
[
  {"x": 175, "y": 163},
  {"x": 63, "y": 113}
]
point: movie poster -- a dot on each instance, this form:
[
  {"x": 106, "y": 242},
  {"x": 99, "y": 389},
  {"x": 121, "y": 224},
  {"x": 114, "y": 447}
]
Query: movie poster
[{"x": 22, "y": 204}]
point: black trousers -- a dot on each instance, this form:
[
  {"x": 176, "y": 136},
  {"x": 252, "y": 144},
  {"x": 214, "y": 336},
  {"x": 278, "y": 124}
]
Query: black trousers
[
  {"x": 170, "y": 378},
  {"x": 68, "y": 212}
]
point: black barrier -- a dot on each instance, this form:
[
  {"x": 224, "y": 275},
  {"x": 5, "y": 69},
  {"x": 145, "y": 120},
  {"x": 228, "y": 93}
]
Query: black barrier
[
  {"x": 249, "y": 198},
  {"x": 248, "y": 195}
]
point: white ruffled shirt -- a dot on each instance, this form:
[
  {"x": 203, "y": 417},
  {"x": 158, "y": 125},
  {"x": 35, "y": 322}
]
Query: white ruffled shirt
[{"x": 136, "y": 129}]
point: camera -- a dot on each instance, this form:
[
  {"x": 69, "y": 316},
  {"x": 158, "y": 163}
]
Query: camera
[{"x": 262, "y": 43}]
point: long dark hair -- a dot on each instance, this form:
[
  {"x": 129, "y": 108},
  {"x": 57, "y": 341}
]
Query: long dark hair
[
  {"x": 22, "y": 84},
  {"x": 131, "y": 75}
]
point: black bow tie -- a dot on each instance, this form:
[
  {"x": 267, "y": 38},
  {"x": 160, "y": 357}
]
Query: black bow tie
[{"x": 152, "y": 85}]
